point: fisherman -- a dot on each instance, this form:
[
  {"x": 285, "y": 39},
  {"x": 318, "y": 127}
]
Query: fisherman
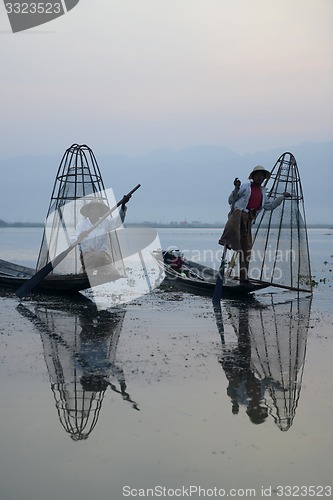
[
  {"x": 246, "y": 201},
  {"x": 95, "y": 246}
]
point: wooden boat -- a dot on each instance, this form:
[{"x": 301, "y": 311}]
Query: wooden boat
[
  {"x": 14, "y": 275},
  {"x": 195, "y": 278},
  {"x": 199, "y": 279}
]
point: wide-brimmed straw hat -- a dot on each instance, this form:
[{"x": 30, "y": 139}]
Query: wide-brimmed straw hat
[
  {"x": 259, "y": 168},
  {"x": 94, "y": 207}
]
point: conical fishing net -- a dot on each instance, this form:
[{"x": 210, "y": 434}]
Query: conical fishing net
[
  {"x": 77, "y": 183},
  {"x": 280, "y": 252}
]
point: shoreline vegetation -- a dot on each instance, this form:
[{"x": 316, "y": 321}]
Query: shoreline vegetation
[{"x": 167, "y": 225}]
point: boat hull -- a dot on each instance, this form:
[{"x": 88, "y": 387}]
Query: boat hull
[
  {"x": 202, "y": 288},
  {"x": 198, "y": 279},
  {"x": 14, "y": 275}
]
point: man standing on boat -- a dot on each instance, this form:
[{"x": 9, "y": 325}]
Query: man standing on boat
[
  {"x": 95, "y": 248},
  {"x": 246, "y": 201}
]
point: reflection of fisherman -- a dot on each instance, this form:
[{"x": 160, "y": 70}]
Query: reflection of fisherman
[
  {"x": 95, "y": 247},
  {"x": 244, "y": 387},
  {"x": 94, "y": 352},
  {"x": 94, "y": 356},
  {"x": 246, "y": 201}
]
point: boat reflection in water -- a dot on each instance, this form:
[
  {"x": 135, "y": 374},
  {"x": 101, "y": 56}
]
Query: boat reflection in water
[
  {"x": 264, "y": 365},
  {"x": 80, "y": 353}
]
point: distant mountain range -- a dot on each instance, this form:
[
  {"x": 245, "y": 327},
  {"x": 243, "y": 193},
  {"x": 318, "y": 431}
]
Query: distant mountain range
[{"x": 176, "y": 185}]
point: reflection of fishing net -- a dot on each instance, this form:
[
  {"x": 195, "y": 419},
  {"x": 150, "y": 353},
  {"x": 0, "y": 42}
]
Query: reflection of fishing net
[
  {"x": 77, "y": 183},
  {"x": 271, "y": 342},
  {"x": 79, "y": 351},
  {"x": 280, "y": 253},
  {"x": 278, "y": 344}
]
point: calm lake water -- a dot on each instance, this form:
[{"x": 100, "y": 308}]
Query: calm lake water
[{"x": 161, "y": 398}]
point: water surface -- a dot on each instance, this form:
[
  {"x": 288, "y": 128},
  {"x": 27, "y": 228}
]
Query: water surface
[{"x": 162, "y": 392}]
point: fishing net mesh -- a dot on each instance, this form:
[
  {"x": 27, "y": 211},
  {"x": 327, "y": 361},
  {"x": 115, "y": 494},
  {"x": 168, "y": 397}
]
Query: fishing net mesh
[
  {"x": 280, "y": 252},
  {"x": 77, "y": 183}
]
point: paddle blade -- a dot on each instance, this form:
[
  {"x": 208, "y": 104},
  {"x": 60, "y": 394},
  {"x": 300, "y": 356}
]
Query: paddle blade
[
  {"x": 219, "y": 279},
  {"x": 33, "y": 282},
  {"x": 218, "y": 288},
  {"x": 42, "y": 273}
]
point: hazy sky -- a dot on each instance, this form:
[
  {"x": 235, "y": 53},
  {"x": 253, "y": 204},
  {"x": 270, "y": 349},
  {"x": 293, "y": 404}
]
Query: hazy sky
[{"x": 131, "y": 76}]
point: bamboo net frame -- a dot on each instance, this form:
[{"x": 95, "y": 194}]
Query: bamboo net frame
[{"x": 78, "y": 182}]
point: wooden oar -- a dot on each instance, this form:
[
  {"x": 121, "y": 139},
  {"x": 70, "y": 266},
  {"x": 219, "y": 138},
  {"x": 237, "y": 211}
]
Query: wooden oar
[
  {"x": 220, "y": 278},
  {"x": 37, "y": 278}
]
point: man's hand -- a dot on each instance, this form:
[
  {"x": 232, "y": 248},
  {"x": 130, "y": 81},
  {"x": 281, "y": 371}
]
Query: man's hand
[
  {"x": 125, "y": 200},
  {"x": 237, "y": 183},
  {"x": 83, "y": 235}
]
